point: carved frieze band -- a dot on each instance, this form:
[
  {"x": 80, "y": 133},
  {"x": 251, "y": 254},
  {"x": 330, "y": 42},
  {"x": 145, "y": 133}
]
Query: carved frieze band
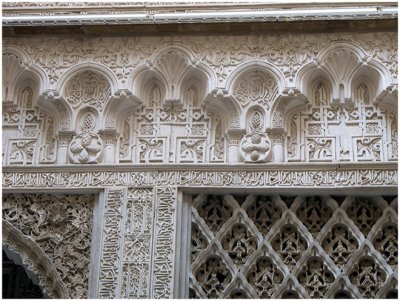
[{"x": 332, "y": 177}]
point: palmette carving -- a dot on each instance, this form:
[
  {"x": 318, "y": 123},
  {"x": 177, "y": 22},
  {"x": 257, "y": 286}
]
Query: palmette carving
[
  {"x": 87, "y": 146},
  {"x": 265, "y": 277},
  {"x": 62, "y": 227},
  {"x": 289, "y": 244},
  {"x": 315, "y": 277},
  {"x": 367, "y": 276},
  {"x": 213, "y": 276}
]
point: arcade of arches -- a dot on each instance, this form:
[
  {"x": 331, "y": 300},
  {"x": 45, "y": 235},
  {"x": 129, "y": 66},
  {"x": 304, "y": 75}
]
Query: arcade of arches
[{"x": 235, "y": 166}]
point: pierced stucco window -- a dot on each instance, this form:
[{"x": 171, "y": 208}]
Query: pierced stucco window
[{"x": 275, "y": 246}]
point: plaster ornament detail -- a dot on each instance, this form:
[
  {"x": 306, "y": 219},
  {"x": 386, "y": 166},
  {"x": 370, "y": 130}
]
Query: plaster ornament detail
[
  {"x": 316, "y": 278},
  {"x": 265, "y": 277},
  {"x": 87, "y": 146},
  {"x": 367, "y": 276},
  {"x": 256, "y": 146},
  {"x": 88, "y": 88},
  {"x": 213, "y": 277},
  {"x": 240, "y": 243},
  {"x": 289, "y": 244},
  {"x": 340, "y": 244},
  {"x": 257, "y": 87},
  {"x": 61, "y": 225}
]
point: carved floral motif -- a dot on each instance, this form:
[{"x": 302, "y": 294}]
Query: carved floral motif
[{"x": 61, "y": 225}]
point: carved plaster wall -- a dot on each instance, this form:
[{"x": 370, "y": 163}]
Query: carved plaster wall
[
  {"x": 147, "y": 121},
  {"x": 192, "y": 99}
]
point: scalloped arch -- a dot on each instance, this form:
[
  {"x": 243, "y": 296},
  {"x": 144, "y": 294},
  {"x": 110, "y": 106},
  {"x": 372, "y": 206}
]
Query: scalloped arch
[
  {"x": 361, "y": 59},
  {"x": 141, "y": 79}
]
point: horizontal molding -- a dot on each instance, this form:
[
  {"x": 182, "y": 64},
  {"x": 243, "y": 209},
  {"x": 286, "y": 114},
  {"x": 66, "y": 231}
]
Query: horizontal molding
[
  {"x": 202, "y": 166},
  {"x": 207, "y": 175},
  {"x": 228, "y": 15}
]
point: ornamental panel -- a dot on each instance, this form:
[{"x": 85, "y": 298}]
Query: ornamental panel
[
  {"x": 310, "y": 241},
  {"x": 61, "y": 225}
]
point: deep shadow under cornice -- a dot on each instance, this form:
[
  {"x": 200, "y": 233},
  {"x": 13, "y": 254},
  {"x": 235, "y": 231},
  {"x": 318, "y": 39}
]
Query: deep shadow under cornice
[{"x": 234, "y": 28}]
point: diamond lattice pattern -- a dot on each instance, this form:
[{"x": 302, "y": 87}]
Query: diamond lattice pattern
[{"x": 260, "y": 246}]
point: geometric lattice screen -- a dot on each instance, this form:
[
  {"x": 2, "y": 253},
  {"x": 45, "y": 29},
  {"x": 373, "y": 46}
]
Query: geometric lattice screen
[{"x": 259, "y": 246}]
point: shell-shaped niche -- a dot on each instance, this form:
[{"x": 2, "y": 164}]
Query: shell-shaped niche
[
  {"x": 172, "y": 64},
  {"x": 341, "y": 64},
  {"x": 255, "y": 86},
  {"x": 88, "y": 88},
  {"x": 12, "y": 68}
]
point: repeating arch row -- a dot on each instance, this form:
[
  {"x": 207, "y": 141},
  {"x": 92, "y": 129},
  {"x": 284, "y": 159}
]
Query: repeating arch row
[{"x": 248, "y": 119}]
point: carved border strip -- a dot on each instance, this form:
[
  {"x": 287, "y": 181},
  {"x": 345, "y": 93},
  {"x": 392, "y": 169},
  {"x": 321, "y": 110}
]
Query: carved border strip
[
  {"x": 163, "y": 253},
  {"x": 234, "y": 177},
  {"x": 109, "y": 263}
]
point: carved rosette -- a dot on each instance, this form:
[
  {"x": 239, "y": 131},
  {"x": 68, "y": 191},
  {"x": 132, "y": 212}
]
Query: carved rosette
[
  {"x": 256, "y": 148},
  {"x": 85, "y": 148}
]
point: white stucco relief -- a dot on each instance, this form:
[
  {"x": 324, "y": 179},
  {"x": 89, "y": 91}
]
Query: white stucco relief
[
  {"x": 186, "y": 103},
  {"x": 140, "y": 119}
]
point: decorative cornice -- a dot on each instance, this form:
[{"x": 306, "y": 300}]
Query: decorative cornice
[{"x": 28, "y": 14}]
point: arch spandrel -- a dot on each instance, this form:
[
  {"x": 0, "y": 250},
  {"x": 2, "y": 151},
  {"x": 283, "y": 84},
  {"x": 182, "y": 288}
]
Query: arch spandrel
[{"x": 35, "y": 260}]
